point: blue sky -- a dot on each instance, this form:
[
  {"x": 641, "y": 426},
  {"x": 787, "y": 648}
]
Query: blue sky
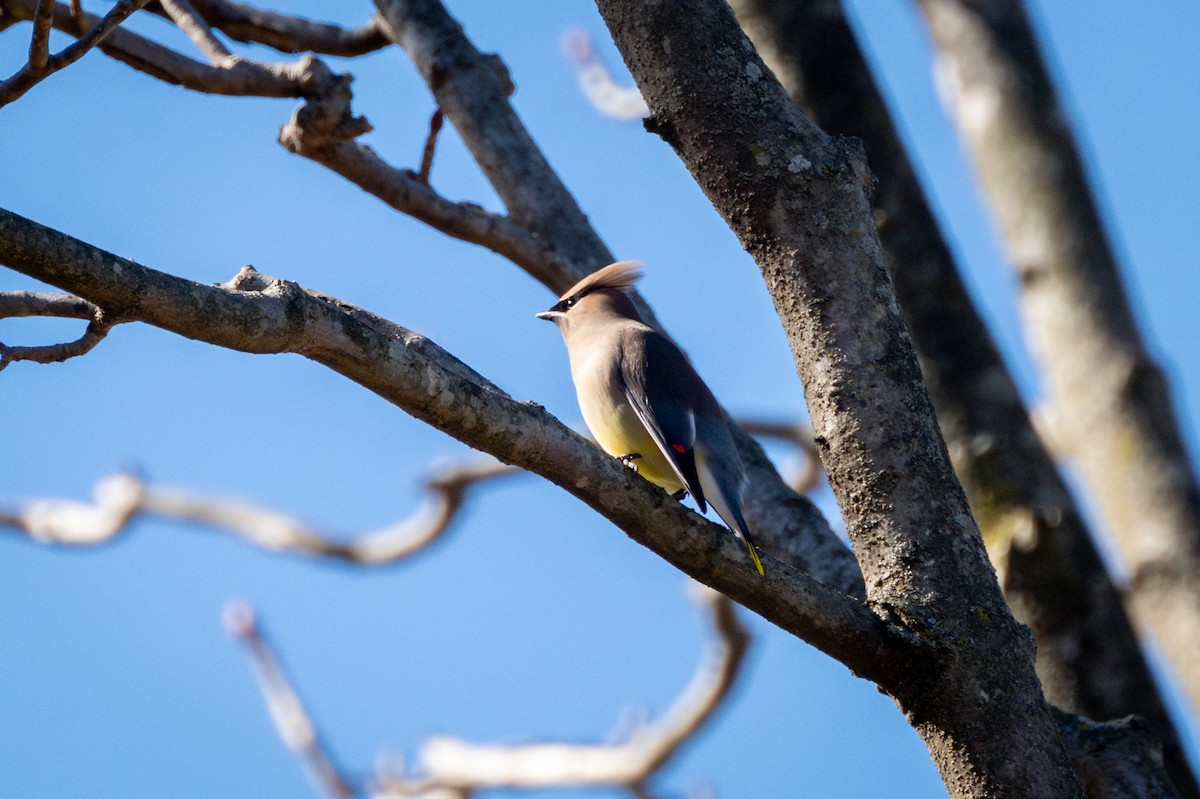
[{"x": 534, "y": 619}]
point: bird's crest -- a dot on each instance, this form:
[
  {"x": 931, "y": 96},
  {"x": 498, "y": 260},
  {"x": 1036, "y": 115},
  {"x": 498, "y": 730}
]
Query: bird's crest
[{"x": 619, "y": 276}]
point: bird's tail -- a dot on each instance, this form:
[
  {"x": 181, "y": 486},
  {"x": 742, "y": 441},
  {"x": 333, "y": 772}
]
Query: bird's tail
[
  {"x": 744, "y": 534},
  {"x": 725, "y": 497}
]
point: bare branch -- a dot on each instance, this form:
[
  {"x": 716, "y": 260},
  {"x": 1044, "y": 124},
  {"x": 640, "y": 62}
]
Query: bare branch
[
  {"x": 37, "y": 303},
  {"x": 622, "y": 103},
  {"x": 119, "y": 499},
  {"x": 454, "y": 763},
  {"x": 258, "y": 314},
  {"x": 31, "y": 74},
  {"x": 30, "y": 303},
  {"x": 39, "y": 41},
  {"x": 184, "y": 15},
  {"x": 1119, "y": 759},
  {"x": 403, "y": 190},
  {"x": 435, "y": 127},
  {"x": 56, "y": 353},
  {"x": 474, "y": 96},
  {"x": 307, "y": 77},
  {"x": 292, "y": 721},
  {"x": 290, "y": 34}
]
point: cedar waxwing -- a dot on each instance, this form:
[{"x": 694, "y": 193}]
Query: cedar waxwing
[{"x": 642, "y": 399}]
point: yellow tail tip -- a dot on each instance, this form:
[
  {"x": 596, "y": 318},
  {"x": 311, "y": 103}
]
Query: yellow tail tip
[{"x": 754, "y": 557}]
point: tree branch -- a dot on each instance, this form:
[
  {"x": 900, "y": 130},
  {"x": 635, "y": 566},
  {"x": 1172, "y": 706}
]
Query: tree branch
[
  {"x": 184, "y": 15},
  {"x": 39, "y": 40},
  {"x": 291, "y": 719},
  {"x": 472, "y": 89},
  {"x": 30, "y": 303},
  {"x": 286, "y": 33},
  {"x": 1110, "y": 399},
  {"x": 454, "y": 763},
  {"x": 41, "y": 65},
  {"x": 307, "y": 77},
  {"x": 120, "y": 499},
  {"x": 622, "y": 103},
  {"x": 403, "y": 190},
  {"x": 253, "y": 313},
  {"x": 450, "y": 765},
  {"x": 798, "y": 200}
]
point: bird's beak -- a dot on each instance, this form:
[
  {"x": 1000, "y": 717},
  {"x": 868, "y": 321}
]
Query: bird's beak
[{"x": 550, "y": 316}]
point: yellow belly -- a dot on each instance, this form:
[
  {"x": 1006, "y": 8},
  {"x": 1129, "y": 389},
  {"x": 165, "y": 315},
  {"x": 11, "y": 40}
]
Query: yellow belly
[{"x": 619, "y": 431}]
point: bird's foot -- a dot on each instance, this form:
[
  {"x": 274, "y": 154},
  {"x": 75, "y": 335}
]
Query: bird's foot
[
  {"x": 679, "y": 495},
  {"x": 629, "y": 459}
]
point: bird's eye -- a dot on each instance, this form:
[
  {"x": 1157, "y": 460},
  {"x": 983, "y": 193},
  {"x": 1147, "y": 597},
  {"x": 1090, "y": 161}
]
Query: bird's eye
[{"x": 569, "y": 303}]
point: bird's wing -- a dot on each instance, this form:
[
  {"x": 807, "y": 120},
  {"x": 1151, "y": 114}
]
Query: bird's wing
[{"x": 661, "y": 386}]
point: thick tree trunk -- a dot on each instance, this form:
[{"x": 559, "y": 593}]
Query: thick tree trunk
[{"x": 799, "y": 202}]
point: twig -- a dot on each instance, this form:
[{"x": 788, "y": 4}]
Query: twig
[
  {"x": 307, "y": 77},
  {"x": 622, "y": 103},
  {"x": 39, "y": 41},
  {"x": 121, "y": 498},
  {"x": 474, "y": 95},
  {"x": 29, "y": 303},
  {"x": 33, "y": 73},
  {"x": 453, "y": 763},
  {"x": 403, "y": 190},
  {"x": 290, "y": 34},
  {"x": 292, "y": 721},
  {"x": 435, "y": 127},
  {"x": 184, "y": 15}
]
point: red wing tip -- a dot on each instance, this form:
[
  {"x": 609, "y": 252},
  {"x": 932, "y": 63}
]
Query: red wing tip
[{"x": 680, "y": 448}]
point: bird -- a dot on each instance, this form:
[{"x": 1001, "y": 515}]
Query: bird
[{"x": 644, "y": 402}]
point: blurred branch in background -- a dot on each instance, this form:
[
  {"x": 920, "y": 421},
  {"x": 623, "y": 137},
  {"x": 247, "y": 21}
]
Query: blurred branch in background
[
  {"x": 453, "y": 767},
  {"x": 121, "y": 498},
  {"x": 1109, "y": 404},
  {"x": 1089, "y": 659},
  {"x": 291, "y": 719},
  {"x": 622, "y": 103}
]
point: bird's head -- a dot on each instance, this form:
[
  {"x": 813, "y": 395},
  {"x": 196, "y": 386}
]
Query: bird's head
[{"x": 600, "y": 293}]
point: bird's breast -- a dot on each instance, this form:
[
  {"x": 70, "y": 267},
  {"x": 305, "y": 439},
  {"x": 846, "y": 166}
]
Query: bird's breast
[{"x": 613, "y": 421}]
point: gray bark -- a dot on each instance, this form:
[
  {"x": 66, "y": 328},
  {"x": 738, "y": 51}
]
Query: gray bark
[{"x": 799, "y": 202}]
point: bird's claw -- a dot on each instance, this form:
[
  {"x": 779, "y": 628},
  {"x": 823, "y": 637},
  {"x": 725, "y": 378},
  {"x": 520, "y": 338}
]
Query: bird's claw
[{"x": 629, "y": 459}]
